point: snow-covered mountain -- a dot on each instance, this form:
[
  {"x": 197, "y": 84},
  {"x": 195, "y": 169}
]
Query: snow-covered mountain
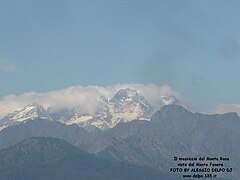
[
  {"x": 126, "y": 105},
  {"x": 29, "y": 112}
]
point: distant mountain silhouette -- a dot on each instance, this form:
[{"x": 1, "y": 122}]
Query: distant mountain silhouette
[{"x": 50, "y": 158}]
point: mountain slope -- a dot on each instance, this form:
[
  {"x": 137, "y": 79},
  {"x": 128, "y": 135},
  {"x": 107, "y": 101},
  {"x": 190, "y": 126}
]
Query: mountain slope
[
  {"x": 49, "y": 158},
  {"x": 173, "y": 132},
  {"x": 45, "y": 128}
]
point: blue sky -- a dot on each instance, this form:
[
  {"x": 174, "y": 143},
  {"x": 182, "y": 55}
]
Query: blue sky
[{"x": 193, "y": 46}]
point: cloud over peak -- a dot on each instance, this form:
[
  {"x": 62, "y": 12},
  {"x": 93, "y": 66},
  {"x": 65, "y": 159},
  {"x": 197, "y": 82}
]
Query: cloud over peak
[{"x": 86, "y": 97}]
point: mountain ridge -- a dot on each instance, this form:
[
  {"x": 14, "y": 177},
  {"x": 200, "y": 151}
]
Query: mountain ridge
[
  {"x": 151, "y": 143},
  {"x": 51, "y": 158},
  {"x": 29, "y": 112},
  {"x": 126, "y": 105}
]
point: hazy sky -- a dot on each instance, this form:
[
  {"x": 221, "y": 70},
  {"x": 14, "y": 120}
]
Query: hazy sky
[{"x": 193, "y": 46}]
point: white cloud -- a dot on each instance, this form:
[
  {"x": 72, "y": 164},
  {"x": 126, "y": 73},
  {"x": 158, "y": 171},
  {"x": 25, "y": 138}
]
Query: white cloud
[
  {"x": 224, "y": 108},
  {"x": 85, "y": 97},
  {"x": 7, "y": 66}
]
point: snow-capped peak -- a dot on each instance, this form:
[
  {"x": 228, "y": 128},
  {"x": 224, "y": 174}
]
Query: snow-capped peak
[
  {"x": 126, "y": 105},
  {"x": 128, "y": 99},
  {"x": 29, "y": 112},
  {"x": 124, "y": 94},
  {"x": 127, "y": 96}
]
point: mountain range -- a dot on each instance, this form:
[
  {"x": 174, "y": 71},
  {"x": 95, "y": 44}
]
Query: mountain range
[
  {"x": 173, "y": 131},
  {"x": 126, "y": 105},
  {"x": 50, "y": 158}
]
